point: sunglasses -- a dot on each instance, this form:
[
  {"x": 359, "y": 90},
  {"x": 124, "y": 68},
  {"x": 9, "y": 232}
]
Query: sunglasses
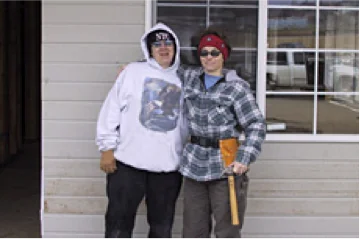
[
  {"x": 159, "y": 43},
  {"x": 205, "y": 53}
]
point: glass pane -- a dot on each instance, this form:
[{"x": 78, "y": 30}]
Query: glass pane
[
  {"x": 339, "y": 29},
  {"x": 182, "y": 1},
  {"x": 292, "y": 114},
  {"x": 352, "y": 3},
  {"x": 291, "y": 27},
  {"x": 237, "y": 2},
  {"x": 244, "y": 62},
  {"x": 184, "y": 21},
  {"x": 310, "y": 73},
  {"x": 290, "y": 71},
  {"x": 338, "y": 115},
  {"x": 239, "y": 24},
  {"x": 339, "y": 72},
  {"x": 189, "y": 57},
  {"x": 293, "y": 2}
]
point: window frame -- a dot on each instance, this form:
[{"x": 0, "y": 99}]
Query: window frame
[{"x": 263, "y": 7}]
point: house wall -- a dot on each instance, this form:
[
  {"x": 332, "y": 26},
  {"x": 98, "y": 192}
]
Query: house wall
[{"x": 296, "y": 189}]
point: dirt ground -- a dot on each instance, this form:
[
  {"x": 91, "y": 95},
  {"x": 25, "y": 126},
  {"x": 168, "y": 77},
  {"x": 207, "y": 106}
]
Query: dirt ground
[{"x": 20, "y": 195}]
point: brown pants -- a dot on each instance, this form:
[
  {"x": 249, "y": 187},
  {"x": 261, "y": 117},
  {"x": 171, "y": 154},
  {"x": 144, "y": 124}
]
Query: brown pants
[{"x": 203, "y": 199}]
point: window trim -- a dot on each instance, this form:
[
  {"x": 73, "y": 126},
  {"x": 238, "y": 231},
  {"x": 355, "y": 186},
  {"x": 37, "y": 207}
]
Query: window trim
[
  {"x": 150, "y": 11},
  {"x": 150, "y": 19},
  {"x": 319, "y": 138}
]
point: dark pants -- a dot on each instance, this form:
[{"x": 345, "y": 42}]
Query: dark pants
[
  {"x": 126, "y": 188},
  {"x": 204, "y": 199}
]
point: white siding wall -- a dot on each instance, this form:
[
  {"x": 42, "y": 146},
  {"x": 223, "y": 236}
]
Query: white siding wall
[
  {"x": 83, "y": 44},
  {"x": 302, "y": 189}
]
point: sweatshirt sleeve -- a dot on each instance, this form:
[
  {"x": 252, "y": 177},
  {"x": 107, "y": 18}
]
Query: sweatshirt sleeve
[{"x": 109, "y": 119}]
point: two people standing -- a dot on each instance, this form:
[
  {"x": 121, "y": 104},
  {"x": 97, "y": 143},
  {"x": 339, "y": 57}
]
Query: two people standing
[{"x": 143, "y": 138}]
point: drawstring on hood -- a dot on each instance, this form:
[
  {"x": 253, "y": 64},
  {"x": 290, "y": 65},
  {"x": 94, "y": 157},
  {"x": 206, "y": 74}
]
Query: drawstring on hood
[{"x": 146, "y": 49}]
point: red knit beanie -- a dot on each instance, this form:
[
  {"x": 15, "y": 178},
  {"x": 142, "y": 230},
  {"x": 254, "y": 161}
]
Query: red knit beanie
[{"x": 215, "y": 41}]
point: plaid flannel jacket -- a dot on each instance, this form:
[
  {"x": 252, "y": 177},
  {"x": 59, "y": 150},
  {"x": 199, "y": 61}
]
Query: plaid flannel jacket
[{"x": 215, "y": 113}]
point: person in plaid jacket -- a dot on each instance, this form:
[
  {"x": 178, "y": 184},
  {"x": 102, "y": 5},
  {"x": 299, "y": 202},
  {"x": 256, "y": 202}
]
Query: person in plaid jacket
[{"x": 218, "y": 104}]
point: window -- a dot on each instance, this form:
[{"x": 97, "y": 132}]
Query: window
[
  {"x": 316, "y": 92},
  {"x": 238, "y": 18},
  {"x": 277, "y": 58},
  {"x": 311, "y": 81}
]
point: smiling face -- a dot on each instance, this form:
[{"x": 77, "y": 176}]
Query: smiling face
[
  {"x": 163, "y": 52},
  {"x": 212, "y": 64}
]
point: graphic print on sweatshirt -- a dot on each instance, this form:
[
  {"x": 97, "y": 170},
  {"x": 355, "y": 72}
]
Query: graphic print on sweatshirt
[{"x": 160, "y": 105}]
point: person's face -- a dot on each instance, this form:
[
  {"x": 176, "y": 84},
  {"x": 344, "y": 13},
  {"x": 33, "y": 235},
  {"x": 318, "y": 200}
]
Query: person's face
[
  {"x": 163, "y": 52},
  {"x": 211, "y": 60}
]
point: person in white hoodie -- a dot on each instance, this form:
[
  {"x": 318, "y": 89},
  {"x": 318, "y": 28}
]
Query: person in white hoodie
[{"x": 140, "y": 134}]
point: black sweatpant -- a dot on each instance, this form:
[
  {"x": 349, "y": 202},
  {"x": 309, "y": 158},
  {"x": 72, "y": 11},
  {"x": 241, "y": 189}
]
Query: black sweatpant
[{"x": 126, "y": 188}]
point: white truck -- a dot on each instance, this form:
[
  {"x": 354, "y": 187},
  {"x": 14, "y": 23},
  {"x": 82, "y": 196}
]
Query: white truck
[{"x": 286, "y": 69}]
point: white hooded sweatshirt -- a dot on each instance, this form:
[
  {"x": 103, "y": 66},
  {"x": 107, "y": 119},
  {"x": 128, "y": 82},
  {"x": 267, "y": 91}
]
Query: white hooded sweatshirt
[{"x": 141, "y": 118}]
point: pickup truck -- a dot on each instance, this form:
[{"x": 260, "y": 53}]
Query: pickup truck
[{"x": 286, "y": 69}]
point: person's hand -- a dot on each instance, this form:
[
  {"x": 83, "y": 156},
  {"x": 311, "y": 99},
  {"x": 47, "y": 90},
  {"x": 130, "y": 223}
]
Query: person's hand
[
  {"x": 239, "y": 168},
  {"x": 108, "y": 161}
]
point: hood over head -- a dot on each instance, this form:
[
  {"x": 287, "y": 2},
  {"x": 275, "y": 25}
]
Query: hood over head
[{"x": 150, "y": 36}]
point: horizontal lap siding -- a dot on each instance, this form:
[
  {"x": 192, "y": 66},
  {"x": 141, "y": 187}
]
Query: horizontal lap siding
[
  {"x": 282, "y": 187},
  {"x": 95, "y": 34},
  {"x": 259, "y": 188},
  {"x": 83, "y": 44},
  {"x": 256, "y": 206},
  {"x": 328, "y": 152},
  {"x": 93, "y": 13},
  {"x": 91, "y": 53},
  {"x": 86, "y": 225},
  {"x": 265, "y": 169}
]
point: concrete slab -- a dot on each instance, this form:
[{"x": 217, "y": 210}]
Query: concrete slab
[{"x": 20, "y": 195}]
